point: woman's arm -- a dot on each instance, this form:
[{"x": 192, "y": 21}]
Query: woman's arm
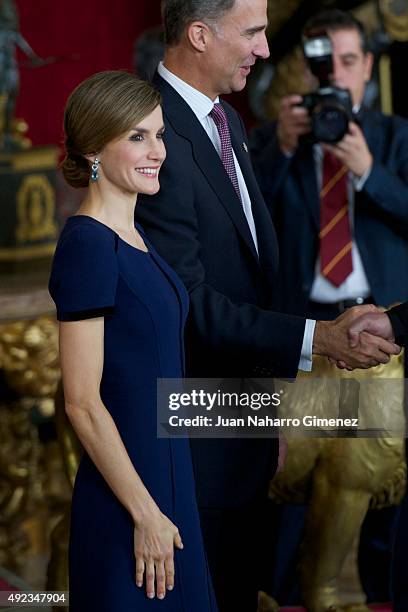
[{"x": 82, "y": 356}]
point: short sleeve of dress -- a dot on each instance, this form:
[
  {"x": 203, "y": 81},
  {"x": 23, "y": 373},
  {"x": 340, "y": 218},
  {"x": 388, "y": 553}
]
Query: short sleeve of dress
[{"x": 84, "y": 273}]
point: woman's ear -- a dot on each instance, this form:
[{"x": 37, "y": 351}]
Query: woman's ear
[{"x": 91, "y": 157}]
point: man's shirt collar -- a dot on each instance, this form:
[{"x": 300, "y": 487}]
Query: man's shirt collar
[{"x": 199, "y": 103}]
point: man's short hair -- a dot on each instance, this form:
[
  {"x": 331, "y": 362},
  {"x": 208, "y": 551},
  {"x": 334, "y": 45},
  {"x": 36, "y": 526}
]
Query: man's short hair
[
  {"x": 178, "y": 14},
  {"x": 334, "y": 20}
]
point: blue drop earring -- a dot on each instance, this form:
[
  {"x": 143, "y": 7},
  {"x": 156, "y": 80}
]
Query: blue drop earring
[{"x": 95, "y": 168}]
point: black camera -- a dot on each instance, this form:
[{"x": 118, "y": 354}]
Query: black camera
[{"x": 330, "y": 108}]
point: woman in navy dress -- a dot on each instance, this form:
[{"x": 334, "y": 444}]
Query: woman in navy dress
[{"x": 122, "y": 311}]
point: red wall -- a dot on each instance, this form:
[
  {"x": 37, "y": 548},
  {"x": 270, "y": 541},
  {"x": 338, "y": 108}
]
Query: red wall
[{"x": 98, "y": 33}]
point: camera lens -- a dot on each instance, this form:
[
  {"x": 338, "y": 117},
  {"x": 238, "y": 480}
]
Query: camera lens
[{"x": 329, "y": 123}]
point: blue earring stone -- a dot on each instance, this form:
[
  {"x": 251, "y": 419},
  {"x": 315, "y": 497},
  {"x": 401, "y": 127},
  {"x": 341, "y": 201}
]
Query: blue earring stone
[{"x": 94, "y": 173}]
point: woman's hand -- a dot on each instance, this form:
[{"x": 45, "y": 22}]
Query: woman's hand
[{"x": 154, "y": 540}]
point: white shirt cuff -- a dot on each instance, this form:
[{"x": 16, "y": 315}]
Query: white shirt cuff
[
  {"x": 306, "y": 357},
  {"x": 360, "y": 182}
]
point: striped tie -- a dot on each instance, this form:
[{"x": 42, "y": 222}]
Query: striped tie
[
  {"x": 220, "y": 119},
  {"x": 335, "y": 235}
]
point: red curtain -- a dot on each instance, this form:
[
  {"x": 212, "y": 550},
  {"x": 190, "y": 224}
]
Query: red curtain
[{"x": 85, "y": 36}]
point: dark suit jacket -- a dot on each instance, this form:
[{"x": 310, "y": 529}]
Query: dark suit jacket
[
  {"x": 399, "y": 322},
  {"x": 197, "y": 224},
  {"x": 381, "y": 211}
]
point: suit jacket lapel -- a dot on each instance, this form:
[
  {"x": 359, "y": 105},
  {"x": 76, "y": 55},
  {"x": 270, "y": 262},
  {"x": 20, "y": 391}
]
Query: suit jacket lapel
[
  {"x": 186, "y": 124},
  {"x": 372, "y": 131},
  {"x": 306, "y": 170},
  {"x": 267, "y": 241}
]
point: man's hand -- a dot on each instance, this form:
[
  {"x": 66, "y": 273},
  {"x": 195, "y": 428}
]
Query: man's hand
[
  {"x": 293, "y": 121},
  {"x": 353, "y": 151},
  {"x": 331, "y": 339},
  {"x": 377, "y": 323}
]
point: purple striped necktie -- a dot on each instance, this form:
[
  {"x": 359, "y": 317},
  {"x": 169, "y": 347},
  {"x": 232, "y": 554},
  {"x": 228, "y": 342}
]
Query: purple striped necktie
[{"x": 227, "y": 158}]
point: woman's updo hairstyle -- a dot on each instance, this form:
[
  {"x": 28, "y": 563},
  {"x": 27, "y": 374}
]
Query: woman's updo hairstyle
[{"x": 100, "y": 109}]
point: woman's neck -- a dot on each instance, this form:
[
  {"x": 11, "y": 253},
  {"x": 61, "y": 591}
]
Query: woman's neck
[{"x": 117, "y": 210}]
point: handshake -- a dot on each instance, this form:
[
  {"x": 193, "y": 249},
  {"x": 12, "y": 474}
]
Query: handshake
[{"x": 362, "y": 337}]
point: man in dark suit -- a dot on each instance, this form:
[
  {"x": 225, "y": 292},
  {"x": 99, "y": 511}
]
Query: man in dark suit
[
  {"x": 393, "y": 325},
  {"x": 350, "y": 199},
  {"x": 210, "y": 223}
]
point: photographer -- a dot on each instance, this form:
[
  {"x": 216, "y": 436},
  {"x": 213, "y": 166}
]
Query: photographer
[
  {"x": 373, "y": 185},
  {"x": 340, "y": 210}
]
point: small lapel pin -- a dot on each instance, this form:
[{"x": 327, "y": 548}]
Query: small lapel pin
[{"x": 244, "y": 146}]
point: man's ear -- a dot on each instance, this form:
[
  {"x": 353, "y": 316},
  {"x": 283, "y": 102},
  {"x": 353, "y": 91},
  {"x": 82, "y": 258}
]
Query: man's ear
[
  {"x": 199, "y": 35},
  {"x": 369, "y": 60}
]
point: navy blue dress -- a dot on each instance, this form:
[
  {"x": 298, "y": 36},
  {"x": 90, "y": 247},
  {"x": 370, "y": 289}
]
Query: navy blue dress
[{"x": 95, "y": 273}]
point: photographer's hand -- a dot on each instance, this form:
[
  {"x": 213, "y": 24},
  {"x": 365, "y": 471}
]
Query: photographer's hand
[
  {"x": 293, "y": 121},
  {"x": 353, "y": 151}
]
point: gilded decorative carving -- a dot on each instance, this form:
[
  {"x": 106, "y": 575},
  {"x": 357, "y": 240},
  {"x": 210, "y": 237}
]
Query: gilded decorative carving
[
  {"x": 29, "y": 221},
  {"x": 340, "y": 478},
  {"x": 33, "y": 487},
  {"x": 38, "y": 159},
  {"x": 29, "y": 356},
  {"x": 35, "y": 210},
  {"x": 19, "y": 458},
  {"x": 395, "y": 15}
]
